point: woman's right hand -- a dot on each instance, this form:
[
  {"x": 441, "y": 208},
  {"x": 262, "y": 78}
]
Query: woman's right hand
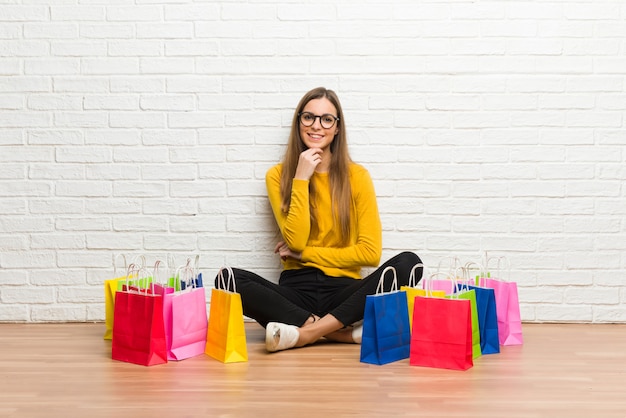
[
  {"x": 285, "y": 252},
  {"x": 308, "y": 161}
]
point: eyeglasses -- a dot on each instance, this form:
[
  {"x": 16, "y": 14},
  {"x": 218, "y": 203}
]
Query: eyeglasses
[{"x": 326, "y": 120}]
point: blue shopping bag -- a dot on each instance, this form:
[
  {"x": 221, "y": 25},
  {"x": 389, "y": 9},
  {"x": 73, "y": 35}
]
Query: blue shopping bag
[
  {"x": 386, "y": 332},
  {"x": 487, "y": 320}
]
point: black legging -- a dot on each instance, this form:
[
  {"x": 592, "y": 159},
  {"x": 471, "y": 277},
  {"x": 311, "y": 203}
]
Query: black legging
[{"x": 307, "y": 291}]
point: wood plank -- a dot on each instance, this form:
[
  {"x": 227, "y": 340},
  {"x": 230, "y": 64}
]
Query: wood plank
[{"x": 573, "y": 370}]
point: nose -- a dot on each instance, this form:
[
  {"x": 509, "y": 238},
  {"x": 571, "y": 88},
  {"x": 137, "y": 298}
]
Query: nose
[{"x": 317, "y": 122}]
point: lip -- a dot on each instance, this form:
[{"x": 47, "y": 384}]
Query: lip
[{"x": 315, "y": 137}]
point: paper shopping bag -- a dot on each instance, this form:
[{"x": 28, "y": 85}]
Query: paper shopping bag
[
  {"x": 110, "y": 287},
  {"x": 507, "y": 311},
  {"x": 138, "y": 332},
  {"x": 507, "y": 305},
  {"x": 175, "y": 281},
  {"x": 196, "y": 281},
  {"x": 442, "y": 333},
  {"x": 465, "y": 293},
  {"x": 386, "y": 335},
  {"x": 487, "y": 320},
  {"x": 456, "y": 285},
  {"x": 443, "y": 285},
  {"x": 188, "y": 320},
  {"x": 226, "y": 334},
  {"x": 412, "y": 290},
  {"x": 189, "y": 323},
  {"x": 167, "y": 293}
]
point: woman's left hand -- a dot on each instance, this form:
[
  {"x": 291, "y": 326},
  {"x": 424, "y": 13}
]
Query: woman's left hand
[{"x": 285, "y": 252}]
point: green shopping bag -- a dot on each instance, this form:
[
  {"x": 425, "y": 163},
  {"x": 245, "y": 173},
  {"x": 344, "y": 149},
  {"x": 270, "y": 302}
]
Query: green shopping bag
[{"x": 463, "y": 292}]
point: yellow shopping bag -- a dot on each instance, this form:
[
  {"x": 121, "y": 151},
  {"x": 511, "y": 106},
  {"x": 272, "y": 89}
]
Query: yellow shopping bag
[
  {"x": 110, "y": 287},
  {"x": 226, "y": 335},
  {"x": 412, "y": 290}
]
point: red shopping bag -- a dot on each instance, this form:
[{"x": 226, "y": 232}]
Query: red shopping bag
[
  {"x": 442, "y": 333},
  {"x": 413, "y": 290},
  {"x": 138, "y": 331}
]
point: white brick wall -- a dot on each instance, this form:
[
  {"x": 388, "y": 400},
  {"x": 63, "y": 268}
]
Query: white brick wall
[{"x": 487, "y": 126}]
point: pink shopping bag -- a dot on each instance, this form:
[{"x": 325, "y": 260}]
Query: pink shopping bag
[
  {"x": 184, "y": 317},
  {"x": 507, "y": 307}
]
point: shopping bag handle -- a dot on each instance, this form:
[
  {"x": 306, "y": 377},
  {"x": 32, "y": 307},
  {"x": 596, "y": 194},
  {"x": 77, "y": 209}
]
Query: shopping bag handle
[
  {"x": 454, "y": 263},
  {"x": 156, "y": 273},
  {"x": 139, "y": 273},
  {"x": 184, "y": 274},
  {"x": 463, "y": 285},
  {"x": 412, "y": 282},
  {"x": 223, "y": 283},
  {"x": 471, "y": 266},
  {"x": 499, "y": 269},
  {"x": 141, "y": 258},
  {"x": 381, "y": 281},
  {"x": 427, "y": 283},
  {"x": 447, "y": 276},
  {"x": 196, "y": 267},
  {"x": 115, "y": 263}
]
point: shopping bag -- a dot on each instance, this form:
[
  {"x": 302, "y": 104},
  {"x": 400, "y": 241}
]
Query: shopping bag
[
  {"x": 167, "y": 293},
  {"x": 386, "y": 335},
  {"x": 465, "y": 293},
  {"x": 442, "y": 333},
  {"x": 175, "y": 282},
  {"x": 454, "y": 269},
  {"x": 442, "y": 330},
  {"x": 487, "y": 319},
  {"x": 226, "y": 334},
  {"x": 195, "y": 281},
  {"x": 110, "y": 287},
  {"x": 446, "y": 270},
  {"x": 188, "y": 320},
  {"x": 457, "y": 283},
  {"x": 138, "y": 331},
  {"x": 507, "y": 307},
  {"x": 412, "y": 290}
]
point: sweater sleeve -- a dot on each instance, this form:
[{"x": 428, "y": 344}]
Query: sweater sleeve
[
  {"x": 295, "y": 225},
  {"x": 366, "y": 249}
]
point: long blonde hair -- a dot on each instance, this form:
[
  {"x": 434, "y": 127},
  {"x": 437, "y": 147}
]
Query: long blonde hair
[{"x": 339, "y": 169}]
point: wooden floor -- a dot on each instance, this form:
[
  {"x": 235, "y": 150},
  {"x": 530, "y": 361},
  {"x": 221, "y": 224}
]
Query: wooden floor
[{"x": 65, "y": 370}]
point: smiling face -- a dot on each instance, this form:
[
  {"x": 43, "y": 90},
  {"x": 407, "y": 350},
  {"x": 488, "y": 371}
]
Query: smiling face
[{"x": 316, "y": 136}]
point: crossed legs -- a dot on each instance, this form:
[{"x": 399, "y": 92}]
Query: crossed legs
[{"x": 288, "y": 311}]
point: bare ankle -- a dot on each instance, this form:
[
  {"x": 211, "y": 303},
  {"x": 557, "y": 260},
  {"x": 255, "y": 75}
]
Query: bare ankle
[
  {"x": 311, "y": 320},
  {"x": 343, "y": 335}
]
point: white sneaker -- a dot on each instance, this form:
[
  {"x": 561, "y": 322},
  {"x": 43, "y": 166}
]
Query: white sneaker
[
  {"x": 280, "y": 336},
  {"x": 357, "y": 332}
]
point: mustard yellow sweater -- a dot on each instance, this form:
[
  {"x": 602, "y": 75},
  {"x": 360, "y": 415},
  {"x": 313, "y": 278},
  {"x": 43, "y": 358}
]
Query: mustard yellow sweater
[{"x": 321, "y": 249}]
